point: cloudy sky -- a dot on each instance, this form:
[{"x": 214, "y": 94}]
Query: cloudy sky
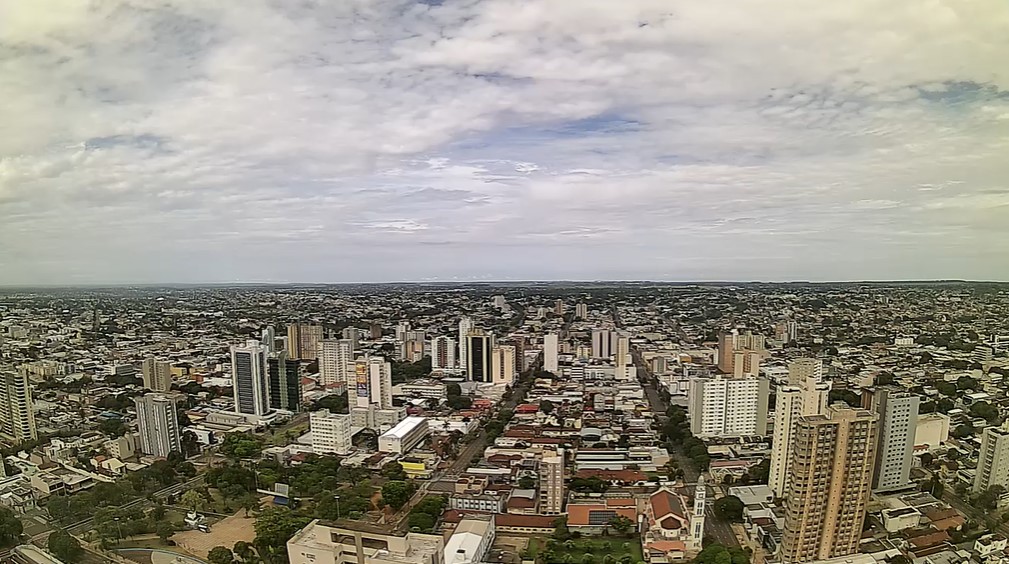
[{"x": 374, "y": 140}]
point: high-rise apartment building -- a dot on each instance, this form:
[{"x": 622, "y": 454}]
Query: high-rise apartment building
[
  {"x": 336, "y": 361},
  {"x": 303, "y": 340},
  {"x": 17, "y": 415},
  {"x": 249, "y": 378},
  {"x": 443, "y": 353},
  {"x": 285, "y": 382},
  {"x": 372, "y": 384},
  {"x": 478, "y": 350},
  {"x": 269, "y": 338},
  {"x": 993, "y": 459},
  {"x": 465, "y": 326},
  {"x": 601, "y": 344},
  {"x": 622, "y": 356},
  {"x": 581, "y": 311},
  {"x": 331, "y": 432},
  {"x": 559, "y": 307},
  {"x": 158, "y": 425},
  {"x": 402, "y": 328},
  {"x": 740, "y": 354},
  {"x": 898, "y": 416},
  {"x": 503, "y": 364},
  {"x": 804, "y": 394},
  {"x": 353, "y": 335},
  {"x": 728, "y": 407},
  {"x": 552, "y": 482},
  {"x": 830, "y": 479},
  {"x": 157, "y": 374},
  {"x": 551, "y": 348}
]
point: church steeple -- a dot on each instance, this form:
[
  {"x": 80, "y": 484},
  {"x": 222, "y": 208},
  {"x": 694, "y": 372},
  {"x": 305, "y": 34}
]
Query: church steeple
[{"x": 697, "y": 519}]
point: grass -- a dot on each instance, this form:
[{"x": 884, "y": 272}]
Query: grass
[{"x": 596, "y": 547}]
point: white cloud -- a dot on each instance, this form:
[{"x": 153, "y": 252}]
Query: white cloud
[{"x": 502, "y": 139}]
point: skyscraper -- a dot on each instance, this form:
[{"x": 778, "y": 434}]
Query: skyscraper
[
  {"x": 803, "y": 394},
  {"x": 442, "y": 353},
  {"x": 285, "y": 382},
  {"x": 336, "y": 361},
  {"x": 732, "y": 407},
  {"x": 478, "y": 351},
  {"x": 503, "y": 364},
  {"x": 17, "y": 415},
  {"x": 269, "y": 338},
  {"x": 734, "y": 348},
  {"x": 829, "y": 483},
  {"x": 623, "y": 352},
  {"x": 158, "y": 425},
  {"x": 559, "y": 307},
  {"x": 303, "y": 340},
  {"x": 551, "y": 347},
  {"x": 552, "y": 482},
  {"x": 601, "y": 344},
  {"x": 993, "y": 459},
  {"x": 581, "y": 311},
  {"x": 351, "y": 334},
  {"x": 157, "y": 374},
  {"x": 465, "y": 326},
  {"x": 898, "y": 416},
  {"x": 372, "y": 385},
  {"x": 249, "y": 378}
]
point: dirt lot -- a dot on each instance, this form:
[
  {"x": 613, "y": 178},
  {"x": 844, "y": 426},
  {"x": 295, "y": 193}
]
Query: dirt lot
[{"x": 225, "y": 532}]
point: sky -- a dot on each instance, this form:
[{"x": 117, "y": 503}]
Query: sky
[{"x": 395, "y": 140}]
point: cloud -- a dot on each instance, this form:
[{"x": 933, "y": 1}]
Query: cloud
[{"x": 394, "y": 140}]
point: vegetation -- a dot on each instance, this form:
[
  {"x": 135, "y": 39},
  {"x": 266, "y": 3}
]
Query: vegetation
[
  {"x": 10, "y": 528},
  {"x": 424, "y": 516},
  {"x": 591, "y": 551},
  {"x": 455, "y": 399},
  {"x": 274, "y": 527},
  {"x": 64, "y": 546},
  {"x": 396, "y": 493},
  {"x": 718, "y": 554},
  {"x": 589, "y": 485},
  {"x": 407, "y": 371},
  {"x": 729, "y": 508},
  {"x": 847, "y": 396},
  {"x": 677, "y": 433},
  {"x": 239, "y": 446},
  {"x": 335, "y": 403}
]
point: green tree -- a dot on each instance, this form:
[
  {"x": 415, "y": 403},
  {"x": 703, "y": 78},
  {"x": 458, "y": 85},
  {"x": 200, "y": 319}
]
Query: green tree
[
  {"x": 422, "y": 521},
  {"x": 113, "y": 427},
  {"x": 10, "y": 527},
  {"x": 966, "y": 383},
  {"x": 620, "y": 524},
  {"x": 396, "y": 493},
  {"x": 274, "y": 527},
  {"x": 249, "y": 502},
  {"x": 561, "y": 531},
  {"x": 165, "y": 529},
  {"x": 221, "y": 555},
  {"x": 394, "y": 471},
  {"x": 847, "y": 396},
  {"x": 729, "y": 508},
  {"x": 193, "y": 500},
  {"x": 244, "y": 551},
  {"x": 453, "y": 389},
  {"x": 527, "y": 483},
  {"x": 240, "y": 445},
  {"x": 64, "y": 546},
  {"x": 546, "y": 406},
  {"x": 946, "y": 388}
]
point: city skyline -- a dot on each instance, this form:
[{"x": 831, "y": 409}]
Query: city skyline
[{"x": 395, "y": 140}]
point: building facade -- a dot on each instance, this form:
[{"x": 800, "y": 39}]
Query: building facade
[
  {"x": 898, "y": 416},
  {"x": 336, "y": 361},
  {"x": 158, "y": 425},
  {"x": 601, "y": 344},
  {"x": 17, "y": 414},
  {"x": 372, "y": 384},
  {"x": 552, "y": 482},
  {"x": 503, "y": 364},
  {"x": 331, "y": 432},
  {"x": 320, "y": 543},
  {"x": 551, "y": 349},
  {"x": 734, "y": 407},
  {"x": 285, "y": 382},
  {"x": 443, "y": 353},
  {"x": 804, "y": 394},
  {"x": 303, "y": 340},
  {"x": 993, "y": 460},
  {"x": 478, "y": 351},
  {"x": 157, "y": 374},
  {"x": 249, "y": 378},
  {"x": 465, "y": 326}
]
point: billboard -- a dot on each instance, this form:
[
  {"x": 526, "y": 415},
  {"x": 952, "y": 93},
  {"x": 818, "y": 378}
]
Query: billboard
[{"x": 361, "y": 370}]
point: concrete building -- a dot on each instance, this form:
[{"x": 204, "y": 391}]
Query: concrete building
[
  {"x": 372, "y": 384},
  {"x": 804, "y": 394},
  {"x": 622, "y": 356},
  {"x": 728, "y": 407},
  {"x": 352, "y": 334},
  {"x": 581, "y": 311},
  {"x": 249, "y": 378},
  {"x": 404, "y": 436},
  {"x": 336, "y": 361},
  {"x": 829, "y": 484},
  {"x": 157, "y": 374},
  {"x": 503, "y": 364},
  {"x": 601, "y": 344},
  {"x": 993, "y": 459},
  {"x": 932, "y": 430},
  {"x": 443, "y": 353},
  {"x": 471, "y": 541},
  {"x": 552, "y": 482},
  {"x": 740, "y": 354},
  {"x": 551, "y": 348},
  {"x": 17, "y": 413},
  {"x": 331, "y": 432},
  {"x": 158, "y": 425},
  {"x": 465, "y": 326},
  {"x": 478, "y": 351},
  {"x": 898, "y": 414},
  {"x": 303, "y": 340},
  {"x": 320, "y": 543},
  {"x": 285, "y": 382}
]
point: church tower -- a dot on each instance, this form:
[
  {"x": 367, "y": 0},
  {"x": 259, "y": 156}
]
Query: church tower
[{"x": 697, "y": 519}]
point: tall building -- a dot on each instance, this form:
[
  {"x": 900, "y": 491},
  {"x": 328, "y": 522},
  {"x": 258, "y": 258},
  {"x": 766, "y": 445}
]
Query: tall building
[
  {"x": 157, "y": 374},
  {"x": 158, "y": 425},
  {"x": 551, "y": 348},
  {"x": 336, "y": 361},
  {"x": 402, "y": 328},
  {"x": 269, "y": 338},
  {"x": 303, "y": 340},
  {"x": 503, "y": 364},
  {"x": 829, "y": 480},
  {"x": 412, "y": 350},
  {"x": 601, "y": 344},
  {"x": 559, "y": 307},
  {"x": 552, "y": 482},
  {"x": 581, "y": 311},
  {"x": 735, "y": 348},
  {"x": 898, "y": 416},
  {"x": 478, "y": 351},
  {"x": 331, "y": 433},
  {"x": 728, "y": 407},
  {"x": 372, "y": 384},
  {"x": 249, "y": 378},
  {"x": 17, "y": 415},
  {"x": 465, "y": 326},
  {"x": 442, "y": 353},
  {"x": 351, "y": 334},
  {"x": 993, "y": 459},
  {"x": 805, "y": 393},
  {"x": 285, "y": 382},
  {"x": 697, "y": 519},
  {"x": 623, "y": 351}
]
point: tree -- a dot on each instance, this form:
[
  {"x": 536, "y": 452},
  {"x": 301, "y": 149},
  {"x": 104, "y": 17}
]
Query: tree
[
  {"x": 165, "y": 529},
  {"x": 453, "y": 389},
  {"x": 193, "y": 500},
  {"x": 221, "y": 555},
  {"x": 729, "y": 508},
  {"x": 963, "y": 431},
  {"x": 546, "y": 406},
  {"x": 64, "y": 546},
  {"x": 244, "y": 551},
  {"x": 396, "y": 493},
  {"x": 984, "y": 410},
  {"x": 422, "y": 521},
  {"x": 113, "y": 427},
  {"x": 561, "y": 531},
  {"x": 946, "y": 388},
  {"x": 620, "y": 524},
  {"x": 927, "y": 459},
  {"x": 847, "y": 396},
  {"x": 249, "y": 502},
  {"x": 274, "y": 527},
  {"x": 715, "y": 553},
  {"x": 10, "y": 528},
  {"x": 884, "y": 379},
  {"x": 527, "y": 483},
  {"x": 966, "y": 383},
  {"x": 240, "y": 445}
]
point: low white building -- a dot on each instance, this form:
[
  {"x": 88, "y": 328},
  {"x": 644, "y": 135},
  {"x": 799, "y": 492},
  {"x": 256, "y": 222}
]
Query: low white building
[
  {"x": 404, "y": 436},
  {"x": 932, "y": 429},
  {"x": 331, "y": 432},
  {"x": 470, "y": 542}
]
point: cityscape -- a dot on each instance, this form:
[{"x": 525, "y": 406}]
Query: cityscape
[{"x": 522, "y": 422}]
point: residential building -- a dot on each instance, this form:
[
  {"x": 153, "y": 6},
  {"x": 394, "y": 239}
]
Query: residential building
[
  {"x": 336, "y": 361},
  {"x": 157, "y": 374},
  {"x": 898, "y": 416},
  {"x": 17, "y": 414},
  {"x": 471, "y": 541},
  {"x": 249, "y": 378},
  {"x": 829, "y": 484},
  {"x": 443, "y": 353},
  {"x": 303, "y": 340},
  {"x": 404, "y": 436},
  {"x": 351, "y": 334},
  {"x": 740, "y": 354},
  {"x": 372, "y": 385},
  {"x": 552, "y": 482},
  {"x": 320, "y": 543},
  {"x": 993, "y": 459},
  {"x": 805, "y": 393},
  {"x": 728, "y": 407},
  {"x": 478, "y": 351},
  {"x": 285, "y": 382},
  {"x": 622, "y": 356},
  {"x": 465, "y": 326},
  {"x": 503, "y": 364},
  {"x": 551, "y": 348},
  {"x": 932, "y": 430},
  {"x": 581, "y": 311},
  {"x": 158, "y": 425},
  {"x": 601, "y": 344},
  {"x": 331, "y": 432}
]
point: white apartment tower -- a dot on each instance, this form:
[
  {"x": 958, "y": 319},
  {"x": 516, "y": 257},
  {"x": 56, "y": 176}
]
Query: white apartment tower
[
  {"x": 465, "y": 326},
  {"x": 601, "y": 344},
  {"x": 552, "y": 482},
  {"x": 623, "y": 352},
  {"x": 805, "y": 393},
  {"x": 581, "y": 311},
  {"x": 728, "y": 407},
  {"x": 249, "y": 378},
  {"x": 336, "y": 361},
  {"x": 503, "y": 364},
  {"x": 17, "y": 415},
  {"x": 372, "y": 384},
  {"x": 551, "y": 349},
  {"x": 443, "y": 353},
  {"x": 157, "y": 374},
  {"x": 158, "y": 425},
  {"x": 993, "y": 460},
  {"x": 331, "y": 432},
  {"x": 898, "y": 418}
]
